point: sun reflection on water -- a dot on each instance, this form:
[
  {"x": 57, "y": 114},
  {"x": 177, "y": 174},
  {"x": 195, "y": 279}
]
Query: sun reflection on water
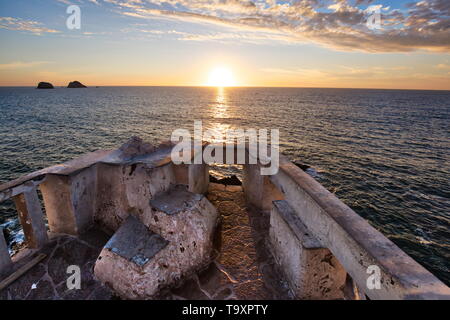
[
  {"x": 220, "y": 106},
  {"x": 219, "y": 110}
]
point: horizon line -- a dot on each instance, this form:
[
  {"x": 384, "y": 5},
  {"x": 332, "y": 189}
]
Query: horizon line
[{"x": 246, "y": 86}]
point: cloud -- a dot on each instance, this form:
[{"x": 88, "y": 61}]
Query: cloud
[
  {"x": 19, "y": 64},
  {"x": 339, "y": 24},
  {"x": 443, "y": 66},
  {"x": 339, "y": 73},
  {"x": 19, "y": 24}
]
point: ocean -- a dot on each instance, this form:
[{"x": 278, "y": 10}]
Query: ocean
[{"x": 385, "y": 153}]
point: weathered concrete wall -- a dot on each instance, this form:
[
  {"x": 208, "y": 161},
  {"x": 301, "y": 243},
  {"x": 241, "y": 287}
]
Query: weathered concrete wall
[
  {"x": 181, "y": 172},
  {"x": 84, "y": 196},
  {"x": 58, "y": 206},
  {"x": 70, "y": 200},
  {"x": 110, "y": 204},
  {"x": 142, "y": 184},
  {"x": 259, "y": 191},
  {"x": 312, "y": 271},
  {"x": 198, "y": 178},
  {"x": 354, "y": 242},
  {"x": 125, "y": 189},
  {"x": 31, "y": 218}
]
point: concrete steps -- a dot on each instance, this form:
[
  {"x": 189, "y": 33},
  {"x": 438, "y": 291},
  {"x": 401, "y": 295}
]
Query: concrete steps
[{"x": 154, "y": 249}]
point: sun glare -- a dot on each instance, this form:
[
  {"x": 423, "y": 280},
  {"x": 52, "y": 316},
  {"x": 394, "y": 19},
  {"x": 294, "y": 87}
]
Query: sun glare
[{"x": 221, "y": 77}]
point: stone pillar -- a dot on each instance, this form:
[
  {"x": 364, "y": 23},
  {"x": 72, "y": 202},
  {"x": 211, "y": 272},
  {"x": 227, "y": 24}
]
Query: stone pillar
[
  {"x": 5, "y": 259},
  {"x": 181, "y": 172},
  {"x": 31, "y": 217},
  {"x": 70, "y": 201},
  {"x": 259, "y": 191},
  {"x": 198, "y": 178},
  {"x": 311, "y": 270}
]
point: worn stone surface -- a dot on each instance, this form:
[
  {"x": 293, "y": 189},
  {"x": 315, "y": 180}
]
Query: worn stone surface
[
  {"x": 135, "y": 147},
  {"x": 47, "y": 280},
  {"x": 198, "y": 175},
  {"x": 175, "y": 200},
  {"x": 353, "y": 241},
  {"x": 134, "y": 242},
  {"x": 187, "y": 221},
  {"x": 31, "y": 218},
  {"x": 311, "y": 270},
  {"x": 258, "y": 189},
  {"x": 242, "y": 268},
  {"x": 128, "y": 188}
]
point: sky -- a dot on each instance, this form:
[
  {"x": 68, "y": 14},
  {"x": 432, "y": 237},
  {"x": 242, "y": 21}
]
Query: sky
[{"x": 310, "y": 43}]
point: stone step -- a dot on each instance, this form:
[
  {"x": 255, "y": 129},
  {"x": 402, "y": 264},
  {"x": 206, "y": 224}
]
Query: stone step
[
  {"x": 158, "y": 246},
  {"x": 176, "y": 200},
  {"x": 135, "y": 242},
  {"x": 296, "y": 225}
]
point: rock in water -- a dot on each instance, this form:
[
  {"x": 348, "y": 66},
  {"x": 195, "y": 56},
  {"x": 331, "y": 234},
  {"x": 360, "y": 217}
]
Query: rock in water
[
  {"x": 45, "y": 85},
  {"x": 231, "y": 181},
  {"x": 76, "y": 84}
]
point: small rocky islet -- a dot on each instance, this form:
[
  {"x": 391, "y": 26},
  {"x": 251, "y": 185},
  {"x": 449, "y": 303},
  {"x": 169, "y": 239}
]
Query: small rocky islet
[
  {"x": 72, "y": 84},
  {"x": 45, "y": 85},
  {"x": 76, "y": 84}
]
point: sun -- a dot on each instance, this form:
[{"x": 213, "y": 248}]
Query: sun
[{"x": 221, "y": 77}]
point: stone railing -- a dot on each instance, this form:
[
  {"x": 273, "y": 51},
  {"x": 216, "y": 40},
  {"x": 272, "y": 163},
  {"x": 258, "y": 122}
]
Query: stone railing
[
  {"x": 57, "y": 187},
  {"x": 98, "y": 187},
  {"x": 327, "y": 230},
  {"x": 30, "y": 215},
  {"x": 318, "y": 241}
]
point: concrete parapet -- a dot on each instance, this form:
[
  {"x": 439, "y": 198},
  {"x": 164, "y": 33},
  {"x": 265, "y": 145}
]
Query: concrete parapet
[{"x": 311, "y": 270}]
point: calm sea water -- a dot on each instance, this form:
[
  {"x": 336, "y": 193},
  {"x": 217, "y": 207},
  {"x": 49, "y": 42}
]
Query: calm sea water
[{"x": 384, "y": 153}]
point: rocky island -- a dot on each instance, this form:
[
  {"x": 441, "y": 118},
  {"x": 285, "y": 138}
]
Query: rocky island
[
  {"x": 76, "y": 84},
  {"x": 45, "y": 85}
]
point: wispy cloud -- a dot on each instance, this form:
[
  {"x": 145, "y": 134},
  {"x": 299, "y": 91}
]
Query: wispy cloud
[
  {"x": 20, "y": 64},
  {"x": 340, "y": 73},
  {"x": 443, "y": 66},
  {"x": 340, "y": 24},
  {"x": 19, "y": 24}
]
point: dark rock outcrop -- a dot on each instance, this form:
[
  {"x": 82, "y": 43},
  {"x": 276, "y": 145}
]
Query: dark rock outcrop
[
  {"x": 302, "y": 166},
  {"x": 232, "y": 181},
  {"x": 44, "y": 85},
  {"x": 76, "y": 84}
]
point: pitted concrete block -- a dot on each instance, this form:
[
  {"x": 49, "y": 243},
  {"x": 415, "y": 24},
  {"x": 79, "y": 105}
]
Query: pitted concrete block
[
  {"x": 134, "y": 242},
  {"x": 183, "y": 224},
  {"x": 176, "y": 200}
]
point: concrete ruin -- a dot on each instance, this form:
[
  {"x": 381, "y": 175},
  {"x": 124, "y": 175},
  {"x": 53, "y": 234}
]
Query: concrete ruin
[{"x": 142, "y": 227}]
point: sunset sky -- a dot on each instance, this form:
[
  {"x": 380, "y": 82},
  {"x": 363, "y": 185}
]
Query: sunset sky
[{"x": 310, "y": 43}]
